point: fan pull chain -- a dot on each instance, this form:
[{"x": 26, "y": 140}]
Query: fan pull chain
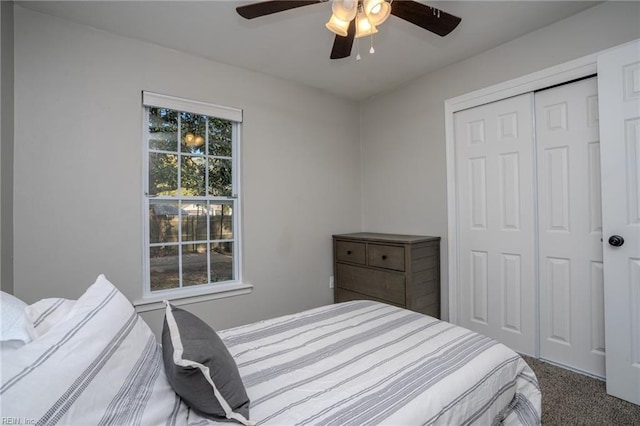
[
  {"x": 358, "y": 57},
  {"x": 372, "y": 50}
]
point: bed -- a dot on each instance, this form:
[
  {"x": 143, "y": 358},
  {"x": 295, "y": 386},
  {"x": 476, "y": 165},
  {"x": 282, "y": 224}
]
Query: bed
[{"x": 94, "y": 361}]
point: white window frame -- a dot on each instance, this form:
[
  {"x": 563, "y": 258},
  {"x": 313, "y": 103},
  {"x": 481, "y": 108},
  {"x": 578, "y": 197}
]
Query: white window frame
[{"x": 152, "y": 300}]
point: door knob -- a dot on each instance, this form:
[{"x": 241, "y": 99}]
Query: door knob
[{"x": 616, "y": 240}]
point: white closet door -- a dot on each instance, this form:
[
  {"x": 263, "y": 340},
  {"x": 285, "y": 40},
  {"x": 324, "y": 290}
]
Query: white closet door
[
  {"x": 570, "y": 226},
  {"x": 494, "y": 167},
  {"x": 619, "y": 80}
]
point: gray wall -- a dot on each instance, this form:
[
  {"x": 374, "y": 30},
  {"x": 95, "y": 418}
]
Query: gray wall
[
  {"x": 6, "y": 146},
  {"x": 77, "y": 181},
  {"x": 78, "y": 158},
  {"x": 403, "y": 134}
]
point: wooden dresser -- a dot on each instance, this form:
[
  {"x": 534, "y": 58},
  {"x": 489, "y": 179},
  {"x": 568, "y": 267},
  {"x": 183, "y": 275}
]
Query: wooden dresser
[{"x": 402, "y": 270}]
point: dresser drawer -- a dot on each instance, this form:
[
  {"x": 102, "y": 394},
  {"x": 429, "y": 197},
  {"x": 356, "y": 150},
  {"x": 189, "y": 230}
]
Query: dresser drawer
[
  {"x": 379, "y": 284},
  {"x": 389, "y": 257},
  {"x": 347, "y": 251}
]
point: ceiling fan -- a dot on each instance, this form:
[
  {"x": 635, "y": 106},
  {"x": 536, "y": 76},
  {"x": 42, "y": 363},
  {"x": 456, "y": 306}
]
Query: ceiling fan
[{"x": 357, "y": 18}]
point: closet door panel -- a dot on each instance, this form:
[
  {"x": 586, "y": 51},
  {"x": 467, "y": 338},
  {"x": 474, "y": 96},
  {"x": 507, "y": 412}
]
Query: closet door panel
[
  {"x": 512, "y": 292},
  {"x": 496, "y": 221},
  {"x": 570, "y": 226}
]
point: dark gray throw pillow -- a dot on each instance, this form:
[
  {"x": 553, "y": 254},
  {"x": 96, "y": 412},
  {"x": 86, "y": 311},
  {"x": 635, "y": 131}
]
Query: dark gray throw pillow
[{"x": 201, "y": 369}]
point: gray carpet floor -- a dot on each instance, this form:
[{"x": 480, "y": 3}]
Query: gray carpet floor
[{"x": 570, "y": 398}]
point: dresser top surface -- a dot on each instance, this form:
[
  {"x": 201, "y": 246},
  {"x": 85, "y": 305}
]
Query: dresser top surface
[{"x": 388, "y": 238}]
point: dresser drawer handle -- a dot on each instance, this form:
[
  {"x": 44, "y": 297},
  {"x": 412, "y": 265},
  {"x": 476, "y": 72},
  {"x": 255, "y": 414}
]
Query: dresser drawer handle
[
  {"x": 348, "y": 251},
  {"x": 384, "y": 257}
]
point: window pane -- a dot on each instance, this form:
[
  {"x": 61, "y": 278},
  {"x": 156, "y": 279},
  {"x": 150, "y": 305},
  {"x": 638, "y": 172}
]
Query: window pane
[
  {"x": 163, "y": 174},
  {"x": 193, "y": 131},
  {"x": 220, "y": 133},
  {"x": 191, "y": 223},
  {"x": 220, "y": 177},
  {"x": 221, "y": 262},
  {"x": 163, "y": 221},
  {"x": 192, "y": 175},
  {"x": 221, "y": 226},
  {"x": 194, "y": 222},
  {"x": 164, "y": 267},
  {"x": 194, "y": 264},
  {"x": 163, "y": 129}
]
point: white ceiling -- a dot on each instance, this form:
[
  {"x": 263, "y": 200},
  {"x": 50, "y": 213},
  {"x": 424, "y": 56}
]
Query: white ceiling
[{"x": 294, "y": 45}]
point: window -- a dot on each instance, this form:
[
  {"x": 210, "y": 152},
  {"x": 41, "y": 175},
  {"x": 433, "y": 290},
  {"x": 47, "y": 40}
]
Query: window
[{"x": 191, "y": 195}]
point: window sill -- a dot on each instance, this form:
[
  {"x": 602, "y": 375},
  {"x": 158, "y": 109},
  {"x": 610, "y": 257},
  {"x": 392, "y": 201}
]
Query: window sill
[{"x": 185, "y": 297}]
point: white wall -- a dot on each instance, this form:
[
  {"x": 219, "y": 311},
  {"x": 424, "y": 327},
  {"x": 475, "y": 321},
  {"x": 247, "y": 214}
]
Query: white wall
[
  {"x": 78, "y": 156},
  {"x": 77, "y": 180},
  {"x": 403, "y": 135},
  {"x": 6, "y": 146},
  {"x": 3, "y": 34}
]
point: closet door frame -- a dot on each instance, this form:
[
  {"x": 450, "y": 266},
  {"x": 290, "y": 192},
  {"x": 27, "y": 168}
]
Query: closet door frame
[
  {"x": 621, "y": 383},
  {"x": 560, "y": 74}
]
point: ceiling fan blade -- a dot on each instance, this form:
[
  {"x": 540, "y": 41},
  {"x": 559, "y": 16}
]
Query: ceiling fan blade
[
  {"x": 342, "y": 45},
  {"x": 427, "y": 17},
  {"x": 255, "y": 10}
]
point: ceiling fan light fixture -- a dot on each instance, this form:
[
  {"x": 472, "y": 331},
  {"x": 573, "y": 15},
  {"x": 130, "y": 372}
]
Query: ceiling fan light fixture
[
  {"x": 189, "y": 139},
  {"x": 377, "y": 11},
  {"x": 367, "y": 14},
  {"x": 337, "y": 26},
  {"x": 363, "y": 26},
  {"x": 192, "y": 140},
  {"x": 344, "y": 10}
]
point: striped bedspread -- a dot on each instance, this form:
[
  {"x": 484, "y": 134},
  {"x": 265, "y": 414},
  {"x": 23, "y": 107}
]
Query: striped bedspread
[
  {"x": 353, "y": 363},
  {"x": 364, "y": 362}
]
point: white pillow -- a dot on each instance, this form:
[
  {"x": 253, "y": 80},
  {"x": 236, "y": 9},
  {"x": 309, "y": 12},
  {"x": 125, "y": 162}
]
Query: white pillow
[
  {"x": 46, "y": 313},
  {"x": 7, "y": 347},
  {"x": 15, "y": 325},
  {"x": 100, "y": 364}
]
